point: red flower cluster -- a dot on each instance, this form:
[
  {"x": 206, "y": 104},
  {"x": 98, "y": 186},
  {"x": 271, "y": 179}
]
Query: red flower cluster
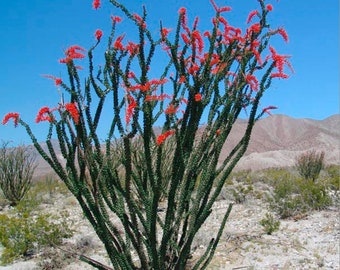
[
  {"x": 171, "y": 109},
  {"x": 198, "y": 97},
  {"x": 269, "y": 7},
  {"x": 160, "y": 97},
  {"x": 283, "y": 33},
  {"x": 118, "y": 43},
  {"x": 147, "y": 86},
  {"x": 161, "y": 138},
  {"x": 130, "y": 109},
  {"x": 72, "y": 53},
  {"x": 12, "y": 115},
  {"x": 219, "y": 9},
  {"x": 267, "y": 109},
  {"x": 139, "y": 20},
  {"x": 57, "y": 81},
  {"x": 252, "y": 81},
  {"x": 165, "y": 32},
  {"x": 96, "y": 4},
  {"x": 45, "y": 114},
  {"x": 98, "y": 34},
  {"x": 72, "y": 109},
  {"x": 251, "y": 15},
  {"x": 280, "y": 61},
  {"x": 197, "y": 40},
  {"x": 116, "y": 19},
  {"x": 132, "y": 48}
]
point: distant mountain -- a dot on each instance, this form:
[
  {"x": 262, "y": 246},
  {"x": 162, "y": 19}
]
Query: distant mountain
[{"x": 276, "y": 141}]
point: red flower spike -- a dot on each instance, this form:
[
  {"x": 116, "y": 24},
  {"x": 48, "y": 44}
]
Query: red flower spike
[
  {"x": 131, "y": 75},
  {"x": 161, "y": 138},
  {"x": 218, "y": 132},
  {"x": 267, "y": 109},
  {"x": 184, "y": 20},
  {"x": 269, "y": 7},
  {"x": 283, "y": 34},
  {"x": 221, "y": 9},
  {"x": 44, "y": 114},
  {"x": 207, "y": 34},
  {"x": 132, "y": 48},
  {"x": 130, "y": 109},
  {"x": 182, "y": 79},
  {"x": 147, "y": 87},
  {"x": 139, "y": 20},
  {"x": 116, "y": 19},
  {"x": 195, "y": 23},
  {"x": 118, "y": 43},
  {"x": 280, "y": 61},
  {"x": 196, "y": 36},
  {"x": 185, "y": 38},
  {"x": 171, "y": 109},
  {"x": 223, "y": 21},
  {"x": 57, "y": 81},
  {"x": 182, "y": 11},
  {"x": 214, "y": 5},
  {"x": 198, "y": 97},
  {"x": 98, "y": 34},
  {"x": 193, "y": 69},
  {"x": 96, "y": 4},
  {"x": 73, "y": 111},
  {"x": 256, "y": 28},
  {"x": 252, "y": 81},
  {"x": 72, "y": 53},
  {"x": 251, "y": 15},
  {"x": 279, "y": 75},
  {"x": 165, "y": 32},
  {"x": 224, "y": 9},
  {"x": 12, "y": 115},
  {"x": 158, "y": 82},
  {"x": 161, "y": 97}
]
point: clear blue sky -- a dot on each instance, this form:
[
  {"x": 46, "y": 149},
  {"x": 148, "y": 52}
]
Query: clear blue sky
[{"x": 34, "y": 34}]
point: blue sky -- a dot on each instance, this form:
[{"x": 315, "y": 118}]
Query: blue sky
[{"x": 35, "y": 33}]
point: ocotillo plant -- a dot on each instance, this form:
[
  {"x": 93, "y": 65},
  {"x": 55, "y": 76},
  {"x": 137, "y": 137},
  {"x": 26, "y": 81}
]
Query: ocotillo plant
[
  {"x": 166, "y": 134},
  {"x": 17, "y": 166}
]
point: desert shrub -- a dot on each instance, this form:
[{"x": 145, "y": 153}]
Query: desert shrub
[
  {"x": 23, "y": 233},
  {"x": 272, "y": 176},
  {"x": 310, "y": 164},
  {"x": 270, "y": 224},
  {"x": 46, "y": 189},
  {"x": 17, "y": 166},
  {"x": 293, "y": 196},
  {"x": 332, "y": 177},
  {"x": 240, "y": 192}
]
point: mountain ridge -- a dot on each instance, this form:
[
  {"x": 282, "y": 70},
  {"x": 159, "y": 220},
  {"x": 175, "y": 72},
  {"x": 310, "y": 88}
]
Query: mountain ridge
[{"x": 275, "y": 142}]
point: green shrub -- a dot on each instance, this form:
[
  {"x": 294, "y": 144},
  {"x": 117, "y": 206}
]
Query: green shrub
[
  {"x": 22, "y": 233},
  {"x": 270, "y": 224},
  {"x": 46, "y": 189},
  {"x": 240, "y": 192},
  {"x": 333, "y": 176},
  {"x": 310, "y": 164},
  {"x": 293, "y": 196}
]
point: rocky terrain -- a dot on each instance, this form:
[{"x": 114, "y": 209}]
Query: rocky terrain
[{"x": 303, "y": 242}]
